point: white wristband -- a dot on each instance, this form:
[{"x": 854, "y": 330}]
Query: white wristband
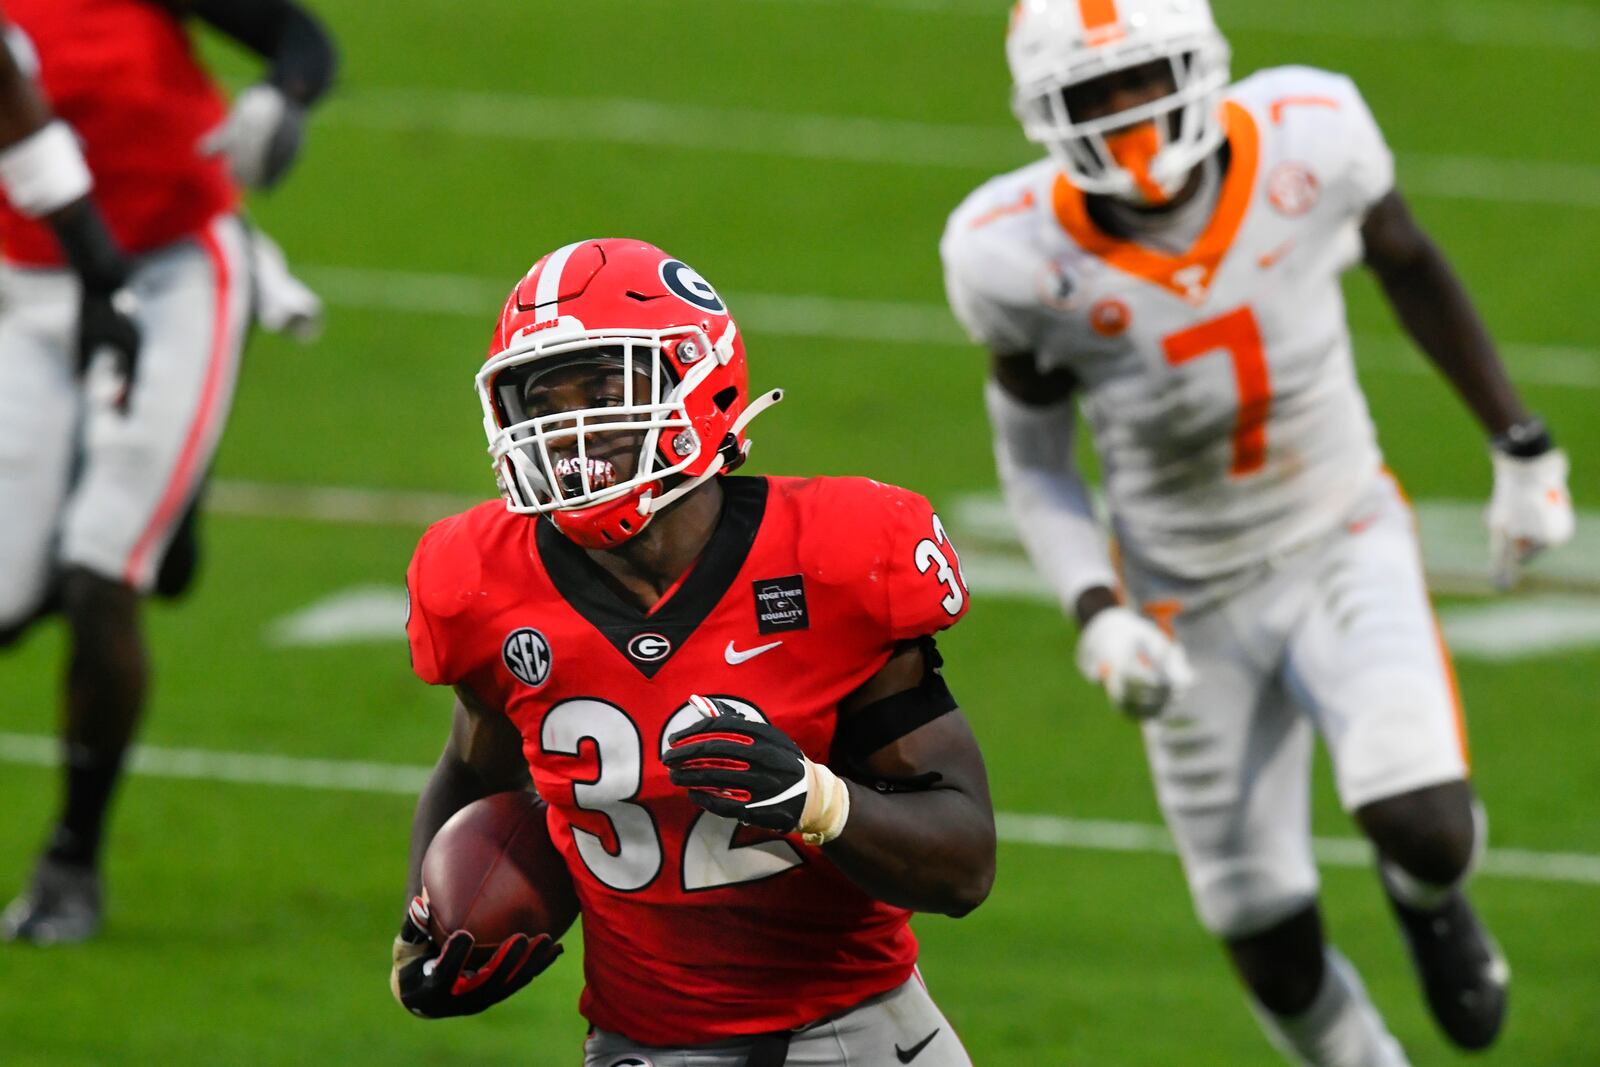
[{"x": 45, "y": 171}]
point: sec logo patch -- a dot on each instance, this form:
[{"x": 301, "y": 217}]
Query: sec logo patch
[
  {"x": 1292, "y": 189},
  {"x": 527, "y": 656}
]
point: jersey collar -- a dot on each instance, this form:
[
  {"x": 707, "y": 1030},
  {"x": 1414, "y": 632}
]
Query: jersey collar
[
  {"x": 1189, "y": 275},
  {"x": 624, "y": 624}
]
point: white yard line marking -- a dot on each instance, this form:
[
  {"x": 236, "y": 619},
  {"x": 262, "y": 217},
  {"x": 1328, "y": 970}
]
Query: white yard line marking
[
  {"x": 1530, "y": 626},
  {"x": 1053, "y": 831},
  {"x": 1454, "y": 542},
  {"x": 1558, "y": 610},
  {"x": 874, "y": 321},
  {"x": 362, "y": 614},
  {"x": 859, "y": 139},
  {"x": 1553, "y": 26}
]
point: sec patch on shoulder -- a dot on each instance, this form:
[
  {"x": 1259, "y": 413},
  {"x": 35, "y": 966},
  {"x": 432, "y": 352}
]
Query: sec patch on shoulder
[{"x": 527, "y": 656}]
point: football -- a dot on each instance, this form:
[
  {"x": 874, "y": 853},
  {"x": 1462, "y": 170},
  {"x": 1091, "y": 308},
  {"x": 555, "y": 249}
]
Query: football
[{"x": 493, "y": 871}]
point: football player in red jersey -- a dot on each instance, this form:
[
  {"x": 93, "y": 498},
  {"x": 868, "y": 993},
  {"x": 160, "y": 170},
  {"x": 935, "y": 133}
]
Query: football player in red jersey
[
  {"x": 726, "y": 688},
  {"x": 119, "y": 165}
]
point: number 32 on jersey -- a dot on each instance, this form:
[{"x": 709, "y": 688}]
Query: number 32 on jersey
[{"x": 710, "y": 858}]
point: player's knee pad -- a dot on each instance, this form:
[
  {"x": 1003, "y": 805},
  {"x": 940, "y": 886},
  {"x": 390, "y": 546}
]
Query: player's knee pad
[{"x": 1428, "y": 838}]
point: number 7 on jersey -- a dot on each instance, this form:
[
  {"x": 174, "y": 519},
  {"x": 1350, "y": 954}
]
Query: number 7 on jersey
[{"x": 1237, "y": 334}]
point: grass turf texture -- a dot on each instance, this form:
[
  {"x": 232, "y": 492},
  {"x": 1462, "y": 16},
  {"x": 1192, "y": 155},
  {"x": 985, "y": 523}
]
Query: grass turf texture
[{"x": 251, "y": 923}]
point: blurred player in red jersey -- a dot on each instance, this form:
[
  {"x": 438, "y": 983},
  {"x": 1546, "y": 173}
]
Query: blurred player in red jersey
[
  {"x": 119, "y": 164},
  {"x": 726, "y": 688}
]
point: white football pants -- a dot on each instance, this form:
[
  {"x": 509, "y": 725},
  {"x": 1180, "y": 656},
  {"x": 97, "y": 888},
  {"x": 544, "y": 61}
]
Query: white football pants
[
  {"x": 1337, "y": 638},
  {"x": 80, "y": 484},
  {"x": 900, "y": 1026}
]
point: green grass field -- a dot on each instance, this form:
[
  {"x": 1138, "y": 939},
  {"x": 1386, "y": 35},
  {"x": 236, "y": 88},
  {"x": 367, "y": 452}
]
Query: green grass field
[{"x": 787, "y": 148}]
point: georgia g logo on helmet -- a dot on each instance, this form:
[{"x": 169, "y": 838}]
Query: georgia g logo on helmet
[{"x": 687, "y": 284}]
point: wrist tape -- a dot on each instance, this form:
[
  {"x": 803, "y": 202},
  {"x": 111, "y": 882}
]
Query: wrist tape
[{"x": 827, "y": 805}]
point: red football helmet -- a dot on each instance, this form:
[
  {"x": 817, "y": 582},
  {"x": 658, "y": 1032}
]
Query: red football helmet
[{"x": 626, "y": 320}]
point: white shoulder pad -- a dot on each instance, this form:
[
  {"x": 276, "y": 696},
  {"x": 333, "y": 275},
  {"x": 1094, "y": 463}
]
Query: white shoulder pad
[
  {"x": 1323, "y": 121},
  {"x": 993, "y": 259}
]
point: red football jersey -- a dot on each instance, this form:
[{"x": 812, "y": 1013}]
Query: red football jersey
[
  {"x": 695, "y": 929},
  {"x": 123, "y": 74}
]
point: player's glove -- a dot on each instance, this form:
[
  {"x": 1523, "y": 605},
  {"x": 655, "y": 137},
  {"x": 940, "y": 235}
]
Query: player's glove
[
  {"x": 433, "y": 982},
  {"x": 107, "y": 309},
  {"x": 751, "y": 771},
  {"x": 107, "y": 324},
  {"x": 1531, "y": 509},
  {"x": 260, "y": 137},
  {"x": 1141, "y": 668}
]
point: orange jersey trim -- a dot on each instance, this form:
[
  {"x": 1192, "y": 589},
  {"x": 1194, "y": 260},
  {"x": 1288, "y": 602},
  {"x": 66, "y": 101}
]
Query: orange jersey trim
[
  {"x": 1278, "y": 106},
  {"x": 1159, "y": 268}
]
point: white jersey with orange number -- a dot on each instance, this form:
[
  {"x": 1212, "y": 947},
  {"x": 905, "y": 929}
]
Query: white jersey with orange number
[{"x": 1218, "y": 384}]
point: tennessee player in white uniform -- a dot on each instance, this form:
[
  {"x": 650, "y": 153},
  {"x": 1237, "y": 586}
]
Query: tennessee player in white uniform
[{"x": 1172, "y": 271}]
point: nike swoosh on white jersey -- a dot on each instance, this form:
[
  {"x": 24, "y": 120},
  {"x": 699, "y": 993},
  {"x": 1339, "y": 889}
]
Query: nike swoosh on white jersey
[{"x": 734, "y": 656}]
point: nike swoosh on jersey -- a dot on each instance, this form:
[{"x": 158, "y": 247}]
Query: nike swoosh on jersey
[
  {"x": 1271, "y": 259},
  {"x": 908, "y": 1054},
  {"x": 734, "y": 656}
]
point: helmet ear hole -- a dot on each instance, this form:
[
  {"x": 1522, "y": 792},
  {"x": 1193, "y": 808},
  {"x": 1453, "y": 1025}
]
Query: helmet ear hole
[{"x": 724, "y": 398}]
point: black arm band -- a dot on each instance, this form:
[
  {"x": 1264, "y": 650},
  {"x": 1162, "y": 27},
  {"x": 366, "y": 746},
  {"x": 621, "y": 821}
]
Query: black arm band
[
  {"x": 88, "y": 246},
  {"x": 299, "y": 48},
  {"x": 886, "y": 721},
  {"x": 1525, "y": 439}
]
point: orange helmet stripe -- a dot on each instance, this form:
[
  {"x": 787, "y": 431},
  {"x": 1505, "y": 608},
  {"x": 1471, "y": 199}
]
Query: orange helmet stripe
[{"x": 1101, "y": 22}]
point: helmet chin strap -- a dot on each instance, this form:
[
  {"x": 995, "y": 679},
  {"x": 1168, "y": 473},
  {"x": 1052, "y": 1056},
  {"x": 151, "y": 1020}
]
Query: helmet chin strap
[{"x": 649, "y": 504}]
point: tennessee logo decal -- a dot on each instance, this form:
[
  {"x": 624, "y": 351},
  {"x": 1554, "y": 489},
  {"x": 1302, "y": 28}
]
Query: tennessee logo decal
[
  {"x": 685, "y": 283},
  {"x": 1110, "y": 317},
  {"x": 527, "y": 656},
  {"x": 1292, "y": 189}
]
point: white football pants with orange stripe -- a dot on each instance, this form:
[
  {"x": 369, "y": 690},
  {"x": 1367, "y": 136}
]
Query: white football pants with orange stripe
[
  {"x": 1338, "y": 639},
  {"x": 80, "y": 484}
]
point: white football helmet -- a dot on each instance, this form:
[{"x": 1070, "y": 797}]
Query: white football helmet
[{"x": 1054, "y": 45}]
